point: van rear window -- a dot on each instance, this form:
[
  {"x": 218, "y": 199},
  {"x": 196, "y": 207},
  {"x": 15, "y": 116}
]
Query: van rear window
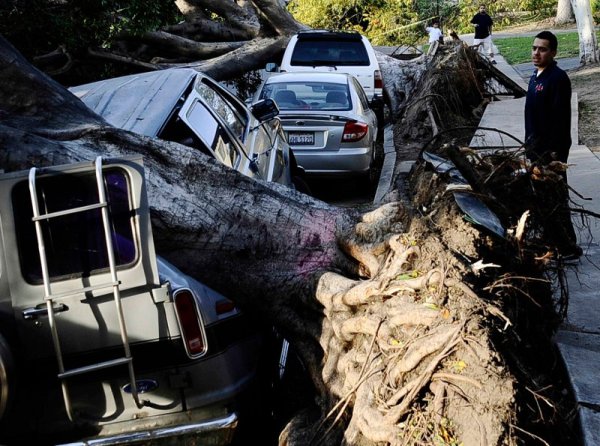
[
  {"x": 74, "y": 243},
  {"x": 309, "y": 52}
]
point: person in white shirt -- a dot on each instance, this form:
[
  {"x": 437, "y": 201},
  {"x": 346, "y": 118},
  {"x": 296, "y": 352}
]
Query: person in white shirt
[{"x": 435, "y": 33}]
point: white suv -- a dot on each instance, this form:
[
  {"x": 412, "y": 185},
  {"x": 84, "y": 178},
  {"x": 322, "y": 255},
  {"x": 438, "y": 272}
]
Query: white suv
[{"x": 341, "y": 52}]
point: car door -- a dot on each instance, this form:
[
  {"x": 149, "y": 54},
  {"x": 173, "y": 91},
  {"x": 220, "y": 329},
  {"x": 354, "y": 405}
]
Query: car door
[
  {"x": 213, "y": 134},
  {"x": 267, "y": 142},
  {"x": 222, "y": 141},
  {"x": 76, "y": 257}
]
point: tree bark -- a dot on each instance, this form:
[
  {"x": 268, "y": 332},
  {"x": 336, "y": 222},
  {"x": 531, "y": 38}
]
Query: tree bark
[
  {"x": 242, "y": 17},
  {"x": 564, "y": 13},
  {"x": 240, "y": 61},
  {"x": 206, "y": 30},
  {"x": 588, "y": 43},
  {"x": 210, "y": 221},
  {"x": 181, "y": 47},
  {"x": 211, "y": 28}
]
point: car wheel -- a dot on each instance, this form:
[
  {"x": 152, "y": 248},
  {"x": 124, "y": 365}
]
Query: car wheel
[
  {"x": 298, "y": 175},
  {"x": 7, "y": 377},
  {"x": 375, "y": 167},
  {"x": 301, "y": 185}
]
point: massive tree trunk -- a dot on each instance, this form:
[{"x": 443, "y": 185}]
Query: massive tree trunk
[
  {"x": 588, "y": 43},
  {"x": 564, "y": 12}
]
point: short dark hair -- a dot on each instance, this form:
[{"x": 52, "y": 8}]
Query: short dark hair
[{"x": 550, "y": 37}]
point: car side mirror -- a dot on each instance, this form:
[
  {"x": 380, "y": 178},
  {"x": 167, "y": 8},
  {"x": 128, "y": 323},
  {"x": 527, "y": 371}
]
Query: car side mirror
[
  {"x": 272, "y": 67},
  {"x": 265, "y": 109}
]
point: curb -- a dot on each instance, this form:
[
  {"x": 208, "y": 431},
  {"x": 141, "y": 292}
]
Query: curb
[{"x": 389, "y": 162}]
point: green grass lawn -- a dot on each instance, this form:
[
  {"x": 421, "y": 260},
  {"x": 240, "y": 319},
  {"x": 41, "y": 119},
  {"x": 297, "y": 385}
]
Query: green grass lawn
[{"x": 518, "y": 49}]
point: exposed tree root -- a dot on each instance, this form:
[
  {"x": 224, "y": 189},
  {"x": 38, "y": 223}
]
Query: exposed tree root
[{"x": 400, "y": 339}]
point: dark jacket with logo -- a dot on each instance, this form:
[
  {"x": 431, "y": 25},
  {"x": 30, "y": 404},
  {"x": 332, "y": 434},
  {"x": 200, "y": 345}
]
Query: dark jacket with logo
[
  {"x": 548, "y": 114},
  {"x": 484, "y": 25}
]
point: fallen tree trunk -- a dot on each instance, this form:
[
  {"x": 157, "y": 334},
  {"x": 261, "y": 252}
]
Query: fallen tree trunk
[{"x": 398, "y": 346}]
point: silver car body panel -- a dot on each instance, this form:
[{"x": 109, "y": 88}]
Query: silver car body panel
[
  {"x": 140, "y": 103},
  {"x": 223, "y": 424},
  {"x": 321, "y": 123}
]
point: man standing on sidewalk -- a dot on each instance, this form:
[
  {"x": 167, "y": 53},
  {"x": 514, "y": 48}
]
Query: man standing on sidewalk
[
  {"x": 548, "y": 135},
  {"x": 548, "y": 104},
  {"x": 483, "y": 32}
]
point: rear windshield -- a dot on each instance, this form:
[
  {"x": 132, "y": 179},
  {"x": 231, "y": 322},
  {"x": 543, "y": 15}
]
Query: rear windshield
[
  {"x": 308, "y": 52},
  {"x": 74, "y": 243},
  {"x": 308, "y": 95}
]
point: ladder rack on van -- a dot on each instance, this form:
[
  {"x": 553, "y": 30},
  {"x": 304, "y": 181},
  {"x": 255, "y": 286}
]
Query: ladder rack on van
[{"x": 49, "y": 297}]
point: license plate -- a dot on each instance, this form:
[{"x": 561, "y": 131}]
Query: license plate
[{"x": 301, "y": 138}]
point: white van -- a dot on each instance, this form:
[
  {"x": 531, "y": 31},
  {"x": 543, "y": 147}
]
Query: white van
[
  {"x": 340, "y": 52},
  {"x": 101, "y": 340}
]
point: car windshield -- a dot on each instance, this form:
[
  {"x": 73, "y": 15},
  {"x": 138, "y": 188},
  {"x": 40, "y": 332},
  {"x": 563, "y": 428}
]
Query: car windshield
[
  {"x": 308, "y": 95},
  {"x": 308, "y": 52}
]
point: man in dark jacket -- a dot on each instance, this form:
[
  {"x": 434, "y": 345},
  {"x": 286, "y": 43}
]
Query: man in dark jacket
[
  {"x": 483, "y": 32},
  {"x": 548, "y": 136},
  {"x": 548, "y": 104}
]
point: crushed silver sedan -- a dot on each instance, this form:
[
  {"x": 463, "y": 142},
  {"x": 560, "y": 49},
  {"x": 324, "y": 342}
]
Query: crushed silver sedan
[
  {"x": 188, "y": 107},
  {"x": 328, "y": 121}
]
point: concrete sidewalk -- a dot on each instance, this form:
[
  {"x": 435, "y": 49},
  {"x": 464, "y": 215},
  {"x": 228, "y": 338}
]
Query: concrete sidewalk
[{"x": 578, "y": 339}]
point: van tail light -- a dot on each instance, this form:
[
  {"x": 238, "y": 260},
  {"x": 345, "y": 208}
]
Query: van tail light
[
  {"x": 354, "y": 131},
  {"x": 378, "y": 79},
  {"x": 190, "y": 323}
]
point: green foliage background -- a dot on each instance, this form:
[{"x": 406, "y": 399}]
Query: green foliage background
[
  {"x": 39, "y": 26},
  {"x": 394, "y": 22}
]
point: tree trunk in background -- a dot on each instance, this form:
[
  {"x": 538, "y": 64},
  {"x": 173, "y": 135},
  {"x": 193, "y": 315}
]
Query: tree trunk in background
[
  {"x": 588, "y": 43},
  {"x": 564, "y": 13},
  {"x": 210, "y": 29}
]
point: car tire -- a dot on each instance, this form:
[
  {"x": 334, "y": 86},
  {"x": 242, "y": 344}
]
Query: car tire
[
  {"x": 7, "y": 378},
  {"x": 301, "y": 185},
  {"x": 375, "y": 167},
  {"x": 380, "y": 115}
]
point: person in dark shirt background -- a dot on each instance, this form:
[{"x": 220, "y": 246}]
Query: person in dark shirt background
[
  {"x": 483, "y": 32},
  {"x": 548, "y": 104}
]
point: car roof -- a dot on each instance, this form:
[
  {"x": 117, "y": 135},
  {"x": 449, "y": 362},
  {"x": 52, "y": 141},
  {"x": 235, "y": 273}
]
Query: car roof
[
  {"x": 142, "y": 102},
  {"x": 310, "y": 76}
]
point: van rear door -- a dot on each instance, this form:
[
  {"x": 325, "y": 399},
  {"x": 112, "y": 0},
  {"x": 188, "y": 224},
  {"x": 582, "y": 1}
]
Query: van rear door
[{"x": 75, "y": 250}]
